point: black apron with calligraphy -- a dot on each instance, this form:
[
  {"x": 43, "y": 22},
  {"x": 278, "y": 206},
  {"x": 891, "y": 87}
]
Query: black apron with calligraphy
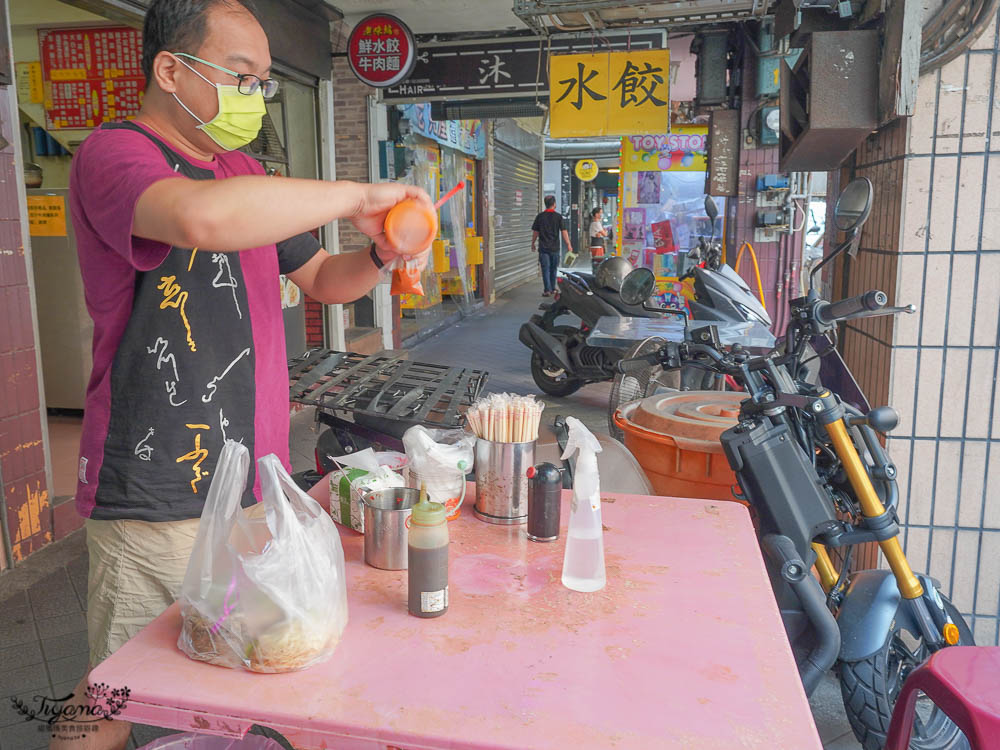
[{"x": 182, "y": 381}]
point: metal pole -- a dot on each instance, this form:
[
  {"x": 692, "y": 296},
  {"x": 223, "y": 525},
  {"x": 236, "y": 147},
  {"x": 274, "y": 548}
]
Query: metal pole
[
  {"x": 334, "y": 322},
  {"x": 7, "y": 552}
]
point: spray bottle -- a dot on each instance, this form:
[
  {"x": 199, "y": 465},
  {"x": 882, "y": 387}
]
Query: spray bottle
[{"x": 583, "y": 565}]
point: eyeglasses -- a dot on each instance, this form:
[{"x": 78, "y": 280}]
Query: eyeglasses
[{"x": 248, "y": 83}]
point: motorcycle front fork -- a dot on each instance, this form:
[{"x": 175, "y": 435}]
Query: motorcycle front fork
[{"x": 926, "y": 607}]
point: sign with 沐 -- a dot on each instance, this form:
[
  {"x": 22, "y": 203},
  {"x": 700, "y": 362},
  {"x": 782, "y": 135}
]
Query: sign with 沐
[
  {"x": 46, "y": 215},
  {"x": 609, "y": 93},
  {"x": 502, "y": 67},
  {"x": 381, "y": 50}
]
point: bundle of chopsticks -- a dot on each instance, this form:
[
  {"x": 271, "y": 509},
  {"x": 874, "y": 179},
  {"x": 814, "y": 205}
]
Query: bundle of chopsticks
[{"x": 506, "y": 418}]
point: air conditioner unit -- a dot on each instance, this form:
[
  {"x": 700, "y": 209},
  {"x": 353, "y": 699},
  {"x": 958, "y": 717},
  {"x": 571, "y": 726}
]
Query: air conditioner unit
[
  {"x": 829, "y": 100},
  {"x": 712, "y": 68}
]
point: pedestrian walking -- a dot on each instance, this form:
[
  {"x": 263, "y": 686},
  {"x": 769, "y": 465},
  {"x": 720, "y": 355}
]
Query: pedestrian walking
[{"x": 545, "y": 232}]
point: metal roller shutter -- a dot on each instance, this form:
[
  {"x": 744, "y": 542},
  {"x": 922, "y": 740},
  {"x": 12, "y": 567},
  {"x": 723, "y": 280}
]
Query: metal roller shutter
[{"x": 514, "y": 171}]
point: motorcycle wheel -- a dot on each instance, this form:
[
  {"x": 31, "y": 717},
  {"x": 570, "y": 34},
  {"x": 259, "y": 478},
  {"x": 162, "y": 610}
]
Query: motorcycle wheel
[
  {"x": 552, "y": 380},
  {"x": 870, "y": 688}
]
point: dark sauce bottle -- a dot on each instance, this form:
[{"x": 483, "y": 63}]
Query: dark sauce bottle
[{"x": 428, "y": 560}]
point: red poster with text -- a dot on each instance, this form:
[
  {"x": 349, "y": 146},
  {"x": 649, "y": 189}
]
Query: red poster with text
[
  {"x": 663, "y": 236},
  {"x": 91, "y": 75}
]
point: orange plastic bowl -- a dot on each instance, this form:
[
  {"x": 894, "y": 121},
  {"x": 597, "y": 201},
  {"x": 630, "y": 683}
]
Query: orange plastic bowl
[
  {"x": 675, "y": 439},
  {"x": 411, "y": 226}
]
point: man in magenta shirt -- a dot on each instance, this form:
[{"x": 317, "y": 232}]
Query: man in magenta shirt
[{"x": 181, "y": 240}]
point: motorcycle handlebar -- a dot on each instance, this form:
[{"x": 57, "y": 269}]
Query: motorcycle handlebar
[
  {"x": 830, "y": 312},
  {"x": 626, "y": 366}
]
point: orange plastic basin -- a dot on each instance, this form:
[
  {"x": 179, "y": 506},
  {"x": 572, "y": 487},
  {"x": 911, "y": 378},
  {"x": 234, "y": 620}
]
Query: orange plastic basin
[
  {"x": 675, "y": 438},
  {"x": 411, "y": 226}
]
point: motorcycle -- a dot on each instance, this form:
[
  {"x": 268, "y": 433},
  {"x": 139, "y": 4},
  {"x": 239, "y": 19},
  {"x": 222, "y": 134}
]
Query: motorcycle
[
  {"x": 809, "y": 464},
  {"x": 562, "y": 361},
  {"x": 720, "y": 294}
]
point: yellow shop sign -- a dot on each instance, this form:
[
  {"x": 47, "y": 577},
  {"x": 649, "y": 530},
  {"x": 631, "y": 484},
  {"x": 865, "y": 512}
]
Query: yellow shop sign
[{"x": 609, "y": 93}]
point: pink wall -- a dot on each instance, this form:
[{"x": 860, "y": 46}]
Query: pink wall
[
  {"x": 683, "y": 88},
  {"x": 780, "y": 262},
  {"x": 22, "y": 457}
]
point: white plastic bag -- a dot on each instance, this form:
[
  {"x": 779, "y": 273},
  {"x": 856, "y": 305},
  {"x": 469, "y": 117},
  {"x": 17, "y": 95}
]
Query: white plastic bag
[
  {"x": 440, "y": 459},
  {"x": 265, "y": 588}
]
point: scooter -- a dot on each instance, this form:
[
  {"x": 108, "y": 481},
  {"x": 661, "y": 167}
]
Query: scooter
[
  {"x": 562, "y": 361},
  {"x": 812, "y": 469}
]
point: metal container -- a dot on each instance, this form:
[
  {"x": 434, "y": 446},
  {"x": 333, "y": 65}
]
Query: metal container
[
  {"x": 502, "y": 481},
  {"x": 387, "y": 514}
]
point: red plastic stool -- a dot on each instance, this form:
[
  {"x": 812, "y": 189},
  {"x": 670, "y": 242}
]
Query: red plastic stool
[{"x": 964, "y": 682}]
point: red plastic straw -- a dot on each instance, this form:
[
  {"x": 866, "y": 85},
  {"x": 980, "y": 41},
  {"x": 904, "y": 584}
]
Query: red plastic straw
[{"x": 444, "y": 198}]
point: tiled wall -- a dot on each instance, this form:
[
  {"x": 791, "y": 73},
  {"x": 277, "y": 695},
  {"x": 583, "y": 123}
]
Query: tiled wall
[
  {"x": 866, "y": 344},
  {"x": 22, "y": 457},
  {"x": 943, "y": 363}
]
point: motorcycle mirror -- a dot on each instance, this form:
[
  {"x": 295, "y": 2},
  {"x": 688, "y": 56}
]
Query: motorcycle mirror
[
  {"x": 851, "y": 212},
  {"x": 854, "y": 205},
  {"x": 710, "y": 208},
  {"x": 637, "y": 287}
]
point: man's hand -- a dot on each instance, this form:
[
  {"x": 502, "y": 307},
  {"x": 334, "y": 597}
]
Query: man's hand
[{"x": 376, "y": 201}]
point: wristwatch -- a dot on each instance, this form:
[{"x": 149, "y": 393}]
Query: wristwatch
[{"x": 375, "y": 259}]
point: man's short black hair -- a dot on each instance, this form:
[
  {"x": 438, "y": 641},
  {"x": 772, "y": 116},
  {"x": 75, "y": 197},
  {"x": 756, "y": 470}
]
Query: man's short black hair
[
  {"x": 550, "y": 201},
  {"x": 179, "y": 26}
]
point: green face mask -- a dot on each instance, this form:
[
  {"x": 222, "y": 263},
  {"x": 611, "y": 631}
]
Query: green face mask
[{"x": 239, "y": 118}]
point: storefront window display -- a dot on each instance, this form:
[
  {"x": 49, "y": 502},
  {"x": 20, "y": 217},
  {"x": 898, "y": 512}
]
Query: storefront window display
[
  {"x": 662, "y": 197},
  {"x": 444, "y": 153}
]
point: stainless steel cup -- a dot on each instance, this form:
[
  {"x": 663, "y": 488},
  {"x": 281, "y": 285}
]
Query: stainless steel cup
[
  {"x": 502, "y": 481},
  {"x": 387, "y": 513}
]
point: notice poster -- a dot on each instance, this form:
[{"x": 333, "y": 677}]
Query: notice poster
[
  {"x": 90, "y": 75},
  {"x": 649, "y": 188},
  {"x": 46, "y": 215},
  {"x": 665, "y": 265},
  {"x": 663, "y": 236},
  {"x": 634, "y": 224},
  {"x": 633, "y": 252}
]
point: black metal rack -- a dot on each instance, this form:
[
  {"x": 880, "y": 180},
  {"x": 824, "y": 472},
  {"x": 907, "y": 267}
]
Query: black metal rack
[{"x": 385, "y": 387}]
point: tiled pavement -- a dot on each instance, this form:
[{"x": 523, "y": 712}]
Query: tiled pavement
[{"x": 43, "y": 640}]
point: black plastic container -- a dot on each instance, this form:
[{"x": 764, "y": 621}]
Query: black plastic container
[{"x": 544, "y": 500}]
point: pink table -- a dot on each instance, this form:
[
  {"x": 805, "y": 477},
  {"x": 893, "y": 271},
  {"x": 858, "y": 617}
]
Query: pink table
[{"x": 684, "y": 648}]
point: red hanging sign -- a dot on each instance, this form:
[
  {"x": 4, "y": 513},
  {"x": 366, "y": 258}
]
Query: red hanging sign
[{"x": 381, "y": 50}]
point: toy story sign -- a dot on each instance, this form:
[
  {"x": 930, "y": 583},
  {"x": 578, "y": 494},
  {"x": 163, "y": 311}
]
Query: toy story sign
[{"x": 685, "y": 150}]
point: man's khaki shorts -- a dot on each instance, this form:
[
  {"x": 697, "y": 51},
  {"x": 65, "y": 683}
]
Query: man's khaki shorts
[{"x": 136, "y": 571}]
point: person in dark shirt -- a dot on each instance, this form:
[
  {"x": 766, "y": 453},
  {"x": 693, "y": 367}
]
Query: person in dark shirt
[{"x": 545, "y": 240}]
